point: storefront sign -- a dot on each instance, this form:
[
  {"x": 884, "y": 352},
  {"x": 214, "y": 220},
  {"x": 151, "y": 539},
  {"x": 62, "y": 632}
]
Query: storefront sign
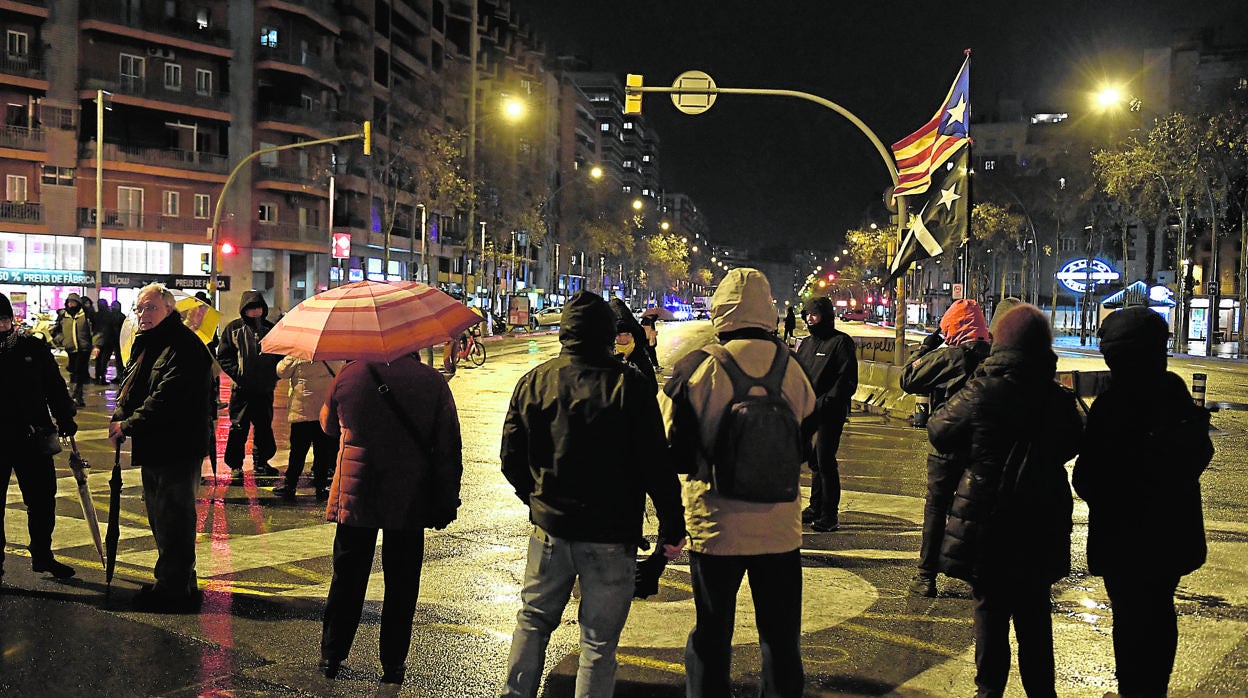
[
  {"x": 46, "y": 277},
  {"x": 173, "y": 282},
  {"x": 1077, "y": 273}
]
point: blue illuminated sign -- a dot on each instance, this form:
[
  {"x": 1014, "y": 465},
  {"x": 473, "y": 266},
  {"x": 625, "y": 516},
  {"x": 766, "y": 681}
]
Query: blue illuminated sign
[{"x": 1077, "y": 273}]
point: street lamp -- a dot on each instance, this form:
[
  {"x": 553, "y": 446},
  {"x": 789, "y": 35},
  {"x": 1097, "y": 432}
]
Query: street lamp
[
  {"x": 100, "y": 96},
  {"x": 424, "y": 243}
]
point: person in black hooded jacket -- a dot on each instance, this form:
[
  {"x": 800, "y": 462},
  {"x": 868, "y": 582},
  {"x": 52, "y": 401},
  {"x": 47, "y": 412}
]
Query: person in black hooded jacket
[
  {"x": 630, "y": 342},
  {"x": 254, "y": 374},
  {"x": 1144, "y": 450},
  {"x": 830, "y": 360},
  {"x": 1009, "y": 526},
  {"x": 586, "y": 496}
]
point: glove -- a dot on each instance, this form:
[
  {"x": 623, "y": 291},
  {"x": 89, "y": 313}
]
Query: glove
[
  {"x": 67, "y": 428},
  {"x": 646, "y": 579}
]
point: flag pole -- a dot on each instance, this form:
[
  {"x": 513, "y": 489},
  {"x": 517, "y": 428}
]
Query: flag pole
[{"x": 899, "y": 294}]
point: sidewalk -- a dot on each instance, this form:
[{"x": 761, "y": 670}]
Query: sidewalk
[{"x": 1225, "y": 350}]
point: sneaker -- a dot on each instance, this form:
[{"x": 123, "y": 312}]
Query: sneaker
[
  {"x": 49, "y": 564},
  {"x": 923, "y": 585},
  {"x": 809, "y": 515},
  {"x": 825, "y": 525},
  {"x": 265, "y": 469},
  {"x": 284, "y": 491}
]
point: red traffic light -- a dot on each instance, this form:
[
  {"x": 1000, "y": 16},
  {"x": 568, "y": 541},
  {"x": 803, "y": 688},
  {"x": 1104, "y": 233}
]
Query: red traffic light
[
  {"x": 870, "y": 299},
  {"x": 832, "y": 276},
  {"x": 228, "y": 248}
]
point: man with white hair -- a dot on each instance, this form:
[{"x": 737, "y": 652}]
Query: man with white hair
[{"x": 166, "y": 405}]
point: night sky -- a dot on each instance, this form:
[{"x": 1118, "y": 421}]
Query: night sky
[{"x": 787, "y": 170}]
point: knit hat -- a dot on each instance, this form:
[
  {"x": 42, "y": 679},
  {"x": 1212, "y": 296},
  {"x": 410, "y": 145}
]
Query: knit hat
[
  {"x": 6, "y": 308},
  {"x": 1004, "y": 306},
  {"x": 963, "y": 322},
  {"x": 1134, "y": 329},
  {"x": 1024, "y": 328}
]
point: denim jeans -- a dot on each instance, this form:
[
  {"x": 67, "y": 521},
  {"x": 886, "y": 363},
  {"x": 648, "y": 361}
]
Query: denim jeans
[
  {"x": 606, "y": 572},
  {"x": 169, "y": 491},
  {"x": 776, "y": 587}
]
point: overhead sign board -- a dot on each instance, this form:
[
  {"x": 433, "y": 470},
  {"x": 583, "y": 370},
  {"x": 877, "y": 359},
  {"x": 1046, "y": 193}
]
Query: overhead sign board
[{"x": 1078, "y": 274}]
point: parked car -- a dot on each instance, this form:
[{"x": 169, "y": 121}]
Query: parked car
[
  {"x": 546, "y": 317},
  {"x": 855, "y": 314}
]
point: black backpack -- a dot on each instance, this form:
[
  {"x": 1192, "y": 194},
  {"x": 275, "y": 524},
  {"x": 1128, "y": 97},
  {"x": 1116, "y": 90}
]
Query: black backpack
[{"x": 757, "y": 455}]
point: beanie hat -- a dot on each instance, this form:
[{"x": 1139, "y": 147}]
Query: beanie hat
[
  {"x": 963, "y": 322},
  {"x": 1024, "y": 328},
  {"x": 1134, "y": 329},
  {"x": 6, "y": 308},
  {"x": 1003, "y": 307}
]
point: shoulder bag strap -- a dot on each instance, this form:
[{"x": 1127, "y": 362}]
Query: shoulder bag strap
[
  {"x": 335, "y": 375},
  {"x": 388, "y": 396}
]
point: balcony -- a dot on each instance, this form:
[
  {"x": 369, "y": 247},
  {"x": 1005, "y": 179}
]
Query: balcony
[
  {"x": 186, "y": 95},
  {"x": 291, "y": 232},
  {"x": 113, "y": 219},
  {"x": 22, "y": 66},
  {"x": 160, "y": 157},
  {"x": 21, "y": 212},
  {"x": 22, "y": 138},
  {"x": 317, "y": 66},
  {"x": 128, "y": 18},
  {"x": 320, "y": 11},
  {"x": 292, "y": 174},
  {"x": 315, "y": 119}
]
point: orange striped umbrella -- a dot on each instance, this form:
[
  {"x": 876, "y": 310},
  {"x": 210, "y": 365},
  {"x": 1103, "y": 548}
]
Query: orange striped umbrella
[{"x": 369, "y": 321}]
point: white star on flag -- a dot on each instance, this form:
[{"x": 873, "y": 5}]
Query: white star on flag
[
  {"x": 948, "y": 196},
  {"x": 957, "y": 113}
]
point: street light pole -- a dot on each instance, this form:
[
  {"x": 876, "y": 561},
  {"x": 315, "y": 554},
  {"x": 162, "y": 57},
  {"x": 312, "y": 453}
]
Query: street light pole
[
  {"x": 99, "y": 189},
  {"x": 424, "y": 243}
]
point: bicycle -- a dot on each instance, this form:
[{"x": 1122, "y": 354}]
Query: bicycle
[{"x": 468, "y": 347}]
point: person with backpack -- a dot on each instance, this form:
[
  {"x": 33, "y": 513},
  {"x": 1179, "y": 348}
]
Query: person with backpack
[
  {"x": 943, "y": 363},
  {"x": 1009, "y": 526},
  {"x": 1143, "y": 453},
  {"x": 830, "y": 360},
  {"x": 733, "y": 412}
]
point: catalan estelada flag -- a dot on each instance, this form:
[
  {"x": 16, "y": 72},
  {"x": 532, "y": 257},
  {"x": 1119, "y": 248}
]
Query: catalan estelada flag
[{"x": 927, "y": 148}]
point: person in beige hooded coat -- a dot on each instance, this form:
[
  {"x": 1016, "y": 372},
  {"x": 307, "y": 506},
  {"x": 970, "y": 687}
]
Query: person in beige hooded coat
[
  {"x": 310, "y": 382},
  {"x": 729, "y": 538}
]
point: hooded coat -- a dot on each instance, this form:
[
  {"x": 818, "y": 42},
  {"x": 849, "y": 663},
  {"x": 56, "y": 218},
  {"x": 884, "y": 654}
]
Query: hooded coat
[
  {"x": 386, "y": 477},
  {"x": 693, "y": 402},
  {"x": 309, "y": 385},
  {"x": 1145, "y": 448},
  {"x": 941, "y": 371},
  {"x": 1011, "y": 515},
  {"x": 73, "y": 326},
  {"x": 35, "y": 386},
  {"x": 562, "y": 435},
  {"x": 638, "y": 358},
  {"x": 830, "y": 360},
  {"x": 239, "y": 352}
]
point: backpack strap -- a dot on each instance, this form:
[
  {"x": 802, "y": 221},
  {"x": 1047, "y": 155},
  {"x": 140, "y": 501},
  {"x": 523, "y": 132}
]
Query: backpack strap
[{"x": 743, "y": 383}]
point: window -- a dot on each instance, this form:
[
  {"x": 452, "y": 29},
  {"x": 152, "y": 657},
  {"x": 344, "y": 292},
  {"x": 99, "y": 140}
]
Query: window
[
  {"x": 17, "y": 44},
  {"x": 1067, "y": 244},
  {"x": 15, "y": 188},
  {"x": 268, "y": 37},
  {"x": 169, "y": 201},
  {"x": 130, "y": 207},
  {"x": 173, "y": 76},
  {"x": 58, "y": 176},
  {"x": 307, "y": 102},
  {"x": 628, "y": 126},
  {"x": 990, "y": 165},
  {"x": 201, "y": 18},
  {"x": 135, "y": 256},
  {"x": 131, "y": 72},
  {"x": 203, "y": 206},
  {"x": 203, "y": 81},
  {"x": 604, "y": 127},
  {"x": 268, "y": 159},
  {"x": 268, "y": 213},
  {"x": 192, "y": 258}
]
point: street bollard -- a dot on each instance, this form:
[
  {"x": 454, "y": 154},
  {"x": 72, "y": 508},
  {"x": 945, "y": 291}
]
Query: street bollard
[
  {"x": 1198, "y": 389},
  {"x": 922, "y": 406}
]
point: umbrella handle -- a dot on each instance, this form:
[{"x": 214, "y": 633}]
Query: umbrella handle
[{"x": 117, "y": 455}]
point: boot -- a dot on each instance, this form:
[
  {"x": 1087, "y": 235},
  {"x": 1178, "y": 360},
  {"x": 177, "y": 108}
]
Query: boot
[
  {"x": 78, "y": 401},
  {"x": 49, "y": 564}
]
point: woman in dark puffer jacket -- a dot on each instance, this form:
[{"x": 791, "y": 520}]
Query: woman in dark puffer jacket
[{"x": 1008, "y": 532}]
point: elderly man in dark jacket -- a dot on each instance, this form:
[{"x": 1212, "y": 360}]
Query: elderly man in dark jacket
[
  {"x": 586, "y": 495},
  {"x": 938, "y": 372},
  {"x": 254, "y": 376},
  {"x": 166, "y": 406},
  {"x": 1145, "y": 448},
  {"x": 831, "y": 363},
  {"x": 35, "y": 387},
  {"x": 1009, "y": 526}
]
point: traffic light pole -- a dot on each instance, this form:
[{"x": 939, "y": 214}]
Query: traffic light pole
[
  {"x": 700, "y": 86},
  {"x": 214, "y": 232}
]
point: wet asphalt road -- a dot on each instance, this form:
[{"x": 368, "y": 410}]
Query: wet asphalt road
[{"x": 265, "y": 568}]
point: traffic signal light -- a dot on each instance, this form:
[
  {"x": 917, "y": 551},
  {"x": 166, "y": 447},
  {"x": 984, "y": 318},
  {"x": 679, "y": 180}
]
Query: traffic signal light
[
  {"x": 831, "y": 276},
  {"x": 632, "y": 100},
  {"x": 368, "y": 138},
  {"x": 228, "y": 248}
]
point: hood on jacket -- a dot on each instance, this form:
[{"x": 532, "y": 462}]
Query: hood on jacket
[
  {"x": 1024, "y": 328},
  {"x": 963, "y": 322},
  {"x": 75, "y": 299},
  {"x": 823, "y": 307},
  {"x": 6, "y": 308},
  {"x": 588, "y": 327},
  {"x": 1134, "y": 340},
  {"x": 1003, "y": 306},
  {"x": 252, "y": 299},
  {"x": 743, "y": 300}
]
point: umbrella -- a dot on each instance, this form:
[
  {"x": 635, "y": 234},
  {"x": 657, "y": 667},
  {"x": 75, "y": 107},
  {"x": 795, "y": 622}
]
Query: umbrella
[
  {"x": 79, "y": 466},
  {"x": 369, "y": 321},
  {"x": 114, "y": 520},
  {"x": 659, "y": 313},
  {"x": 199, "y": 316}
]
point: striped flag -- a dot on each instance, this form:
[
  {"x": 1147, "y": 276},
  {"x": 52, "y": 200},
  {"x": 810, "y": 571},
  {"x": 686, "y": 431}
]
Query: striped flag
[
  {"x": 927, "y": 148},
  {"x": 942, "y": 224}
]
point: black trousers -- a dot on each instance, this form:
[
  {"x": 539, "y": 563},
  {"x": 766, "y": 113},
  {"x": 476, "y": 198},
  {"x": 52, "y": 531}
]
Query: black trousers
[
  {"x": 402, "y": 554},
  {"x": 79, "y": 368},
  {"x": 304, "y": 435},
  {"x": 1028, "y": 603},
  {"x": 825, "y": 485},
  {"x": 107, "y": 352},
  {"x": 250, "y": 411},
  {"x": 169, "y": 491},
  {"x": 1146, "y": 631},
  {"x": 942, "y": 483},
  {"x": 36, "y": 478}
]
